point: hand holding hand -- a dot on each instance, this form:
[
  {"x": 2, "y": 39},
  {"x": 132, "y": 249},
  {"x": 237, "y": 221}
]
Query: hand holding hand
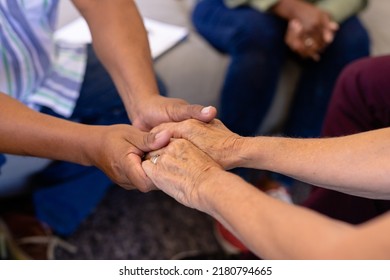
[
  {"x": 310, "y": 29},
  {"x": 159, "y": 109},
  {"x": 118, "y": 150},
  {"x": 213, "y": 138},
  {"x": 180, "y": 170}
]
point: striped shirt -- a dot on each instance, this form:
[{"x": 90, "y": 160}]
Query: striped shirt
[{"x": 33, "y": 68}]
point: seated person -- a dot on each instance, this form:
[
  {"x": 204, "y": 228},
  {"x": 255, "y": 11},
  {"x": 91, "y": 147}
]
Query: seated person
[{"x": 322, "y": 36}]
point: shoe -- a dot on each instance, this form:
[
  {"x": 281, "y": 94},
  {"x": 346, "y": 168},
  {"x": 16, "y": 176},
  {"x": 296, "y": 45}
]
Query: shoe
[
  {"x": 230, "y": 244},
  {"x": 274, "y": 189},
  {"x": 26, "y": 238}
]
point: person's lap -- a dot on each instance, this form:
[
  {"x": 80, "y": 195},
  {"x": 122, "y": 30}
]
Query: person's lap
[
  {"x": 255, "y": 43},
  {"x": 318, "y": 79},
  {"x": 360, "y": 103}
]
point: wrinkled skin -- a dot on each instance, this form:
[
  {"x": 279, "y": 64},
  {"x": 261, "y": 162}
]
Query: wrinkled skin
[
  {"x": 180, "y": 171},
  {"x": 213, "y": 138}
]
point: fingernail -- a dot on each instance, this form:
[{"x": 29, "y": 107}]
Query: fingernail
[
  {"x": 158, "y": 135},
  {"x": 206, "y": 110}
]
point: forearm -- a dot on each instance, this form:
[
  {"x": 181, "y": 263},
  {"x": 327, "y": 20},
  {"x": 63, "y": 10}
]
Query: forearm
[
  {"x": 121, "y": 43},
  {"x": 342, "y": 10},
  {"x": 26, "y": 132},
  {"x": 358, "y": 164},
  {"x": 286, "y": 9},
  {"x": 270, "y": 228}
]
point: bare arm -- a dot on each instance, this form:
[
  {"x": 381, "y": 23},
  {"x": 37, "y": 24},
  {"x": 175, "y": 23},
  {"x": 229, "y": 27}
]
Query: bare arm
[
  {"x": 26, "y": 132},
  {"x": 357, "y": 164},
  {"x": 116, "y": 150},
  {"x": 270, "y": 228},
  {"x": 115, "y": 27},
  {"x": 276, "y": 230},
  {"x": 121, "y": 43}
]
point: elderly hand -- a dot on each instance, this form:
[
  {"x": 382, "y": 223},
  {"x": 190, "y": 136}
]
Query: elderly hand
[
  {"x": 118, "y": 150},
  {"x": 213, "y": 138},
  {"x": 180, "y": 170},
  {"x": 158, "y": 109}
]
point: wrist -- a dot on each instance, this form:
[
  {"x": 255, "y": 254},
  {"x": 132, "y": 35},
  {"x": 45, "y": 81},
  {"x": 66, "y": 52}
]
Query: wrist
[
  {"x": 210, "y": 187},
  {"x": 92, "y": 146},
  {"x": 243, "y": 152},
  {"x": 286, "y": 9}
]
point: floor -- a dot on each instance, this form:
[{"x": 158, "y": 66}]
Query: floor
[{"x": 136, "y": 226}]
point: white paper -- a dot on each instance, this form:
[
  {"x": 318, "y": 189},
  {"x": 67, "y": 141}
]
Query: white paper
[{"x": 162, "y": 36}]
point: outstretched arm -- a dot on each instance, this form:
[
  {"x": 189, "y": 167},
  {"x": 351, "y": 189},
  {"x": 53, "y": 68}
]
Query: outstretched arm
[
  {"x": 116, "y": 149},
  {"x": 270, "y": 228},
  {"x": 121, "y": 43},
  {"x": 357, "y": 164}
]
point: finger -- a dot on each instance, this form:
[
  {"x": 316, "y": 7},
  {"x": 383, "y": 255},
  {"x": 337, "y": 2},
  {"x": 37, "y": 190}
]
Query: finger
[
  {"x": 149, "y": 168},
  {"x": 153, "y": 154},
  {"x": 333, "y": 26},
  {"x": 307, "y": 52},
  {"x": 151, "y": 171},
  {"x": 184, "y": 129},
  {"x": 151, "y": 141},
  {"x": 309, "y": 42},
  {"x": 137, "y": 176},
  {"x": 201, "y": 113},
  {"x": 296, "y": 26},
  {"x": 316, "y": 57},
  {"x": 328, "y": 36}
]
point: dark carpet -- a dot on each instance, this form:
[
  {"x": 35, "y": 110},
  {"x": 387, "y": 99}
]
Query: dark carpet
[{"x": 136, "y": 226}]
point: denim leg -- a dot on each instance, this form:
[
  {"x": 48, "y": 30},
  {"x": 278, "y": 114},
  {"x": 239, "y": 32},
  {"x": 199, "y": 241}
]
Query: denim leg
[
  {"x": 69, "y": 192},
  {"x": 318, "y": 79},
  {"x": 2, "y": 161},
  {"x": 255, "y": 43}
]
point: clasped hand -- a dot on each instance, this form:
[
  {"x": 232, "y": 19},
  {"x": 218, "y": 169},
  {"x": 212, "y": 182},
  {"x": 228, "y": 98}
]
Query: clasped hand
[
  {"x": 197, "y": 152},
  {"x": 118, "y": 150},
  {"x": 310, "y": 31}
]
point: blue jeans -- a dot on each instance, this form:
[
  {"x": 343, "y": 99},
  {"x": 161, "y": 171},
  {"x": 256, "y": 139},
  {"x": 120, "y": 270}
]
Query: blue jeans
[
  {"x": 255, "y": 43},
  {"x": 67, "y": 193}
]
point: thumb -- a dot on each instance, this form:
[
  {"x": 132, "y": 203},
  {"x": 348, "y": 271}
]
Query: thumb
[
  {"x": 199, "y": 112},
  {"x": 153, "y": 141}
]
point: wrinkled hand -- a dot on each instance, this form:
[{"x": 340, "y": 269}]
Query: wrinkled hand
[
  {"x": 213, "y": 138},
  {"x": 119, "y": 151},
  {"x": 180, "y": 171},
  {"x": 159, "y": 109}
]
